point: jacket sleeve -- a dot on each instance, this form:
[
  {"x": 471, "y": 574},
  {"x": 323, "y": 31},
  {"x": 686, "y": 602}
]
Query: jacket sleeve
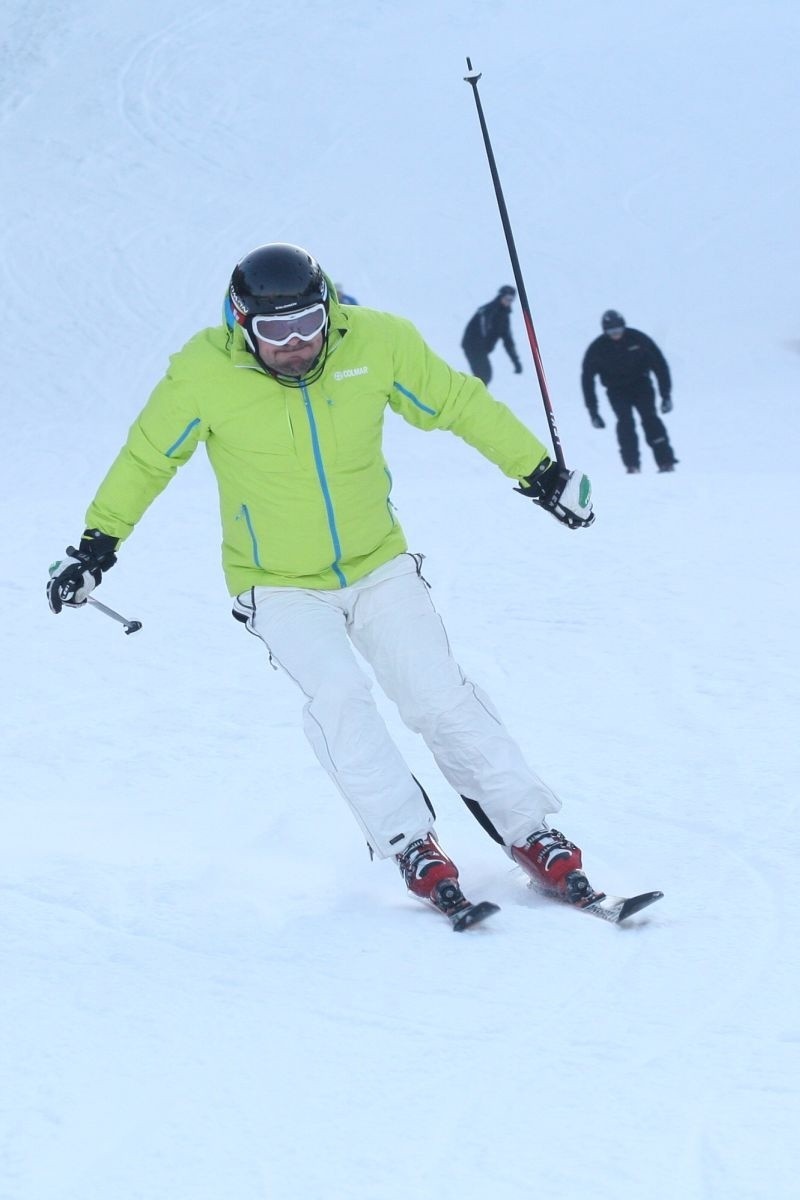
[
  {"x": 508, "y": 339},
  {"x": 588, "y": 372},
  {"x": 162, "y": 438},
  {"x": 430, "y": 394},
  {"x": 658, "y": 365}
]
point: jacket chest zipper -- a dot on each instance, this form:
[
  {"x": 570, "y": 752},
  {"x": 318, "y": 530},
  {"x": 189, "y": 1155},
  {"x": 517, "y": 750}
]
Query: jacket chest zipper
[{"x": 323, "y": 483}]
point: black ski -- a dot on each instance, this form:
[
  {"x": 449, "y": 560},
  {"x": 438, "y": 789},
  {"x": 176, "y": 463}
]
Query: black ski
[
  {"x": 472, "y": 914},
  {"x": 448, "y": 899}
]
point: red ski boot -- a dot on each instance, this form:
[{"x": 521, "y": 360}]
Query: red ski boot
[
  {"x": 554, "y": 866},
  {"x": 431, "y": 876},
  {"x": 423, "y": 864}
]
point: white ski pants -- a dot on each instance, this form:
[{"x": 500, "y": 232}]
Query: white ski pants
[{"x": 389, "y": 617}]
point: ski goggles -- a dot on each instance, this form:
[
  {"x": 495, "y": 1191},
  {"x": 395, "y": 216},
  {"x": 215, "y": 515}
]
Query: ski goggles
[{"x": 278, "y": 329}]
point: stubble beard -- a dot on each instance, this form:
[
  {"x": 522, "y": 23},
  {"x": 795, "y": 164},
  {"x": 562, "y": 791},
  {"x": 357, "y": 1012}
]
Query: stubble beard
[
  {"x": 295, "y": 362},
  {"x": 295, "y": 365}
]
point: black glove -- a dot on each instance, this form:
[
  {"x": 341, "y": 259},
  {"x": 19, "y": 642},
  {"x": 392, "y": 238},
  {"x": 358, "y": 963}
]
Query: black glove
[
  {"x": 565, "y": 494},
  {"x": 666, "y": 404},
  {"x": 517, "y": 368},
  {"x": 598, "y": 421},
  {"x": 72, "y": 579}
]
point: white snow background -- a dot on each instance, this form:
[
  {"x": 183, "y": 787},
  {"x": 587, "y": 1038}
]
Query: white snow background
[{"x": 207, "y": 990}]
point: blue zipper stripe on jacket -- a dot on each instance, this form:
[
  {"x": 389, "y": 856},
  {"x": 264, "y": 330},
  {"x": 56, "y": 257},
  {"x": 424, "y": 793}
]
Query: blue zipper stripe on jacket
[
  {"x": 389, "y": 496},
  {"x": 337, "y": 548},
  {"x": 410, "y": 396},
  {"x": 183, "y": 437},
  {"x": 252, "y": 532}
]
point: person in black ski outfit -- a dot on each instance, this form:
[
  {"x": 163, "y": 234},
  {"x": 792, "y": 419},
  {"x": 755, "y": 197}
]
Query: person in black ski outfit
[
  {"x": 624, "y": 359},
  {"x": 489, "y": 325}
]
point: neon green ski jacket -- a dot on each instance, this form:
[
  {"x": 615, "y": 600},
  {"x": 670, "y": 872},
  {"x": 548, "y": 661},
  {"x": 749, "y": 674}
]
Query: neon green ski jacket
[{"x": 304, "y": 488}]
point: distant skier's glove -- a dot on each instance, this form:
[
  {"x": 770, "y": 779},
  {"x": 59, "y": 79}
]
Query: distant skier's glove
[
  {"x": 72, "y": 579},
  {"x": 598, "y": 421},
  {"x": 565, "y": 494},
  {"x": 666, "y": 404}
]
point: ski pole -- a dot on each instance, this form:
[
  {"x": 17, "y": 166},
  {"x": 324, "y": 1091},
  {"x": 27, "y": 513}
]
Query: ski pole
[
  {"x": 472, "y": 79},
  {"x": 130, "y": 626}
]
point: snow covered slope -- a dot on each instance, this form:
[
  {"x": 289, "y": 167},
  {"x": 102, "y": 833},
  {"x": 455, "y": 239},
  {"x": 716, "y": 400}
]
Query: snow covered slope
[{"x": 208, "y": 990}]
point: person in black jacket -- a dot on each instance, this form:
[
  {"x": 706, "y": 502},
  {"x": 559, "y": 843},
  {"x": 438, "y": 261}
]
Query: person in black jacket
[
  {"x": 490, "y": 324},
  {"x": 624, "y": 359}
]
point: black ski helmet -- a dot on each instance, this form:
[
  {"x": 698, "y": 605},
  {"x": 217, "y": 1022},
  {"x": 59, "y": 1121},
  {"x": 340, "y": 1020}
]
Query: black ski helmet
[
  {"x": 276, "y": 278},
  {"x": 612, "y": 320},
  {"x": 279, "y": 278}
]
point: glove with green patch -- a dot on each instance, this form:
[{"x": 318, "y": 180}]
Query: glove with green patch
[{"x": 567, "y": 495}]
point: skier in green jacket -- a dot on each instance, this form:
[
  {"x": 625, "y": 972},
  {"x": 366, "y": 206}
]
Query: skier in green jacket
[{"x": 290, "y": 404}]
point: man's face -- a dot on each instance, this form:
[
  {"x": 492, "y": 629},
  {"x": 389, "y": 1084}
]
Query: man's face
[
  {"x": 506, "y": 300},
  {"x": 295, "y": 358},
  {"x": 615, "y": 334}
]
